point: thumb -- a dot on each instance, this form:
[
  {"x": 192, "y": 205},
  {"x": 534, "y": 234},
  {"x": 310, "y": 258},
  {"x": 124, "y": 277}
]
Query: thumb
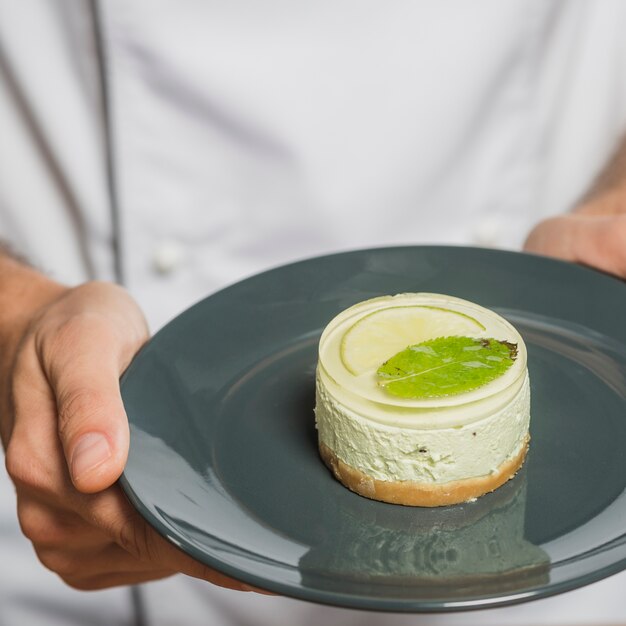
[
  {"x": 92, "y": 422},
  {"x": 600, "y": 241},
  {"x": 93, "y": 429},
  {"x": 596, "y": 240}
]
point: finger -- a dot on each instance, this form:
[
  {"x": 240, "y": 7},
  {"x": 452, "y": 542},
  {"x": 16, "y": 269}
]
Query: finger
[
  {"x": 596, "y": 240},
  {"x": 114, "y": 579},
  {"x": 114, "y": 514},
  {"x": 83, "y": 361},
  {"x": 553, "y": 237},
  {"x": 34, "y": 457},
  {"x": 70, "y": 561},
  {"x": 50, "y": 527},
  {"x": 600, "y": 241},
  {"x": 108, "y": 558}
]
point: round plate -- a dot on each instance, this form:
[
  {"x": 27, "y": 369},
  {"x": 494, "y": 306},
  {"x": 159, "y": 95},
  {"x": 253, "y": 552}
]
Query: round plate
[{"x": 223, "y": 457}]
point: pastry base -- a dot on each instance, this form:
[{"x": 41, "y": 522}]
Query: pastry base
[{"x": 421, "y": 494}]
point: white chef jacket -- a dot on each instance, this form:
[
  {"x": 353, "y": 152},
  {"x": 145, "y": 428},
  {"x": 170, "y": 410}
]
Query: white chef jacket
[{"x": 181, "y": 146}]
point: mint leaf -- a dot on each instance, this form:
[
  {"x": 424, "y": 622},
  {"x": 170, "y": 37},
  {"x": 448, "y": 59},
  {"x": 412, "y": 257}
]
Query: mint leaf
[{"x": 446, "y": 366}]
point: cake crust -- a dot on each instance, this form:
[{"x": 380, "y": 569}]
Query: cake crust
[{"x": 412, "y": 493}]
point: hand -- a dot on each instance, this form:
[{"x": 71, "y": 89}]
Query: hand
[
  {"x": 66, "y": 437},
  {"x": 594, "y": 235}
]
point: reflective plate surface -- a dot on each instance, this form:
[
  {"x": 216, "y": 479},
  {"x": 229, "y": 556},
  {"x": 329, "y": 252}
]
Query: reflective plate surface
[{"x": 223, "y": 458}]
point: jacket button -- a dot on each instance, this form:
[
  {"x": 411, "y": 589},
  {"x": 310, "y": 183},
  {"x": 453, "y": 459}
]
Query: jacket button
[
  {"x": 167, "y": 257},
  {"x": 487, "y": 232}
]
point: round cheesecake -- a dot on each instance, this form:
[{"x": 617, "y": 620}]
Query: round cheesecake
[{"x": 436, "y": 449}]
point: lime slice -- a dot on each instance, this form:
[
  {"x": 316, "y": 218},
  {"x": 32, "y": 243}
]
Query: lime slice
[{"x": 376, "y": 337}]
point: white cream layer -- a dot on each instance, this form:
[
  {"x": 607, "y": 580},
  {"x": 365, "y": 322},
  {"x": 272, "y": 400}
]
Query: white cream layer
[{"x": 433, "y": 455}]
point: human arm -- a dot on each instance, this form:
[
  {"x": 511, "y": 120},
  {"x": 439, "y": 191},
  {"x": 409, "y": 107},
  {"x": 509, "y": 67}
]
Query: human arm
[
  {"x": 594, "y": 233},
  {"x": 62, "y": 351}
]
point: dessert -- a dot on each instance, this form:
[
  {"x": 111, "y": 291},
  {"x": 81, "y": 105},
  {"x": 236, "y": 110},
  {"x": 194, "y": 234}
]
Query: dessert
[{"x": 422, "y": 399}]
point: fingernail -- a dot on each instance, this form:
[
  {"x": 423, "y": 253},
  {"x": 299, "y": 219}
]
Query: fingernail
[{"x": 91, "y": 450}]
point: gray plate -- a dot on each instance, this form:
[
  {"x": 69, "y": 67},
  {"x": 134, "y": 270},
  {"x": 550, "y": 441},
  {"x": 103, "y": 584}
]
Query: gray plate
[{"x": 223, "y": 458}]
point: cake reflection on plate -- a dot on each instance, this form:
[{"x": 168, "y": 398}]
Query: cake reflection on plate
[{"x": 476, "y": 546}]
